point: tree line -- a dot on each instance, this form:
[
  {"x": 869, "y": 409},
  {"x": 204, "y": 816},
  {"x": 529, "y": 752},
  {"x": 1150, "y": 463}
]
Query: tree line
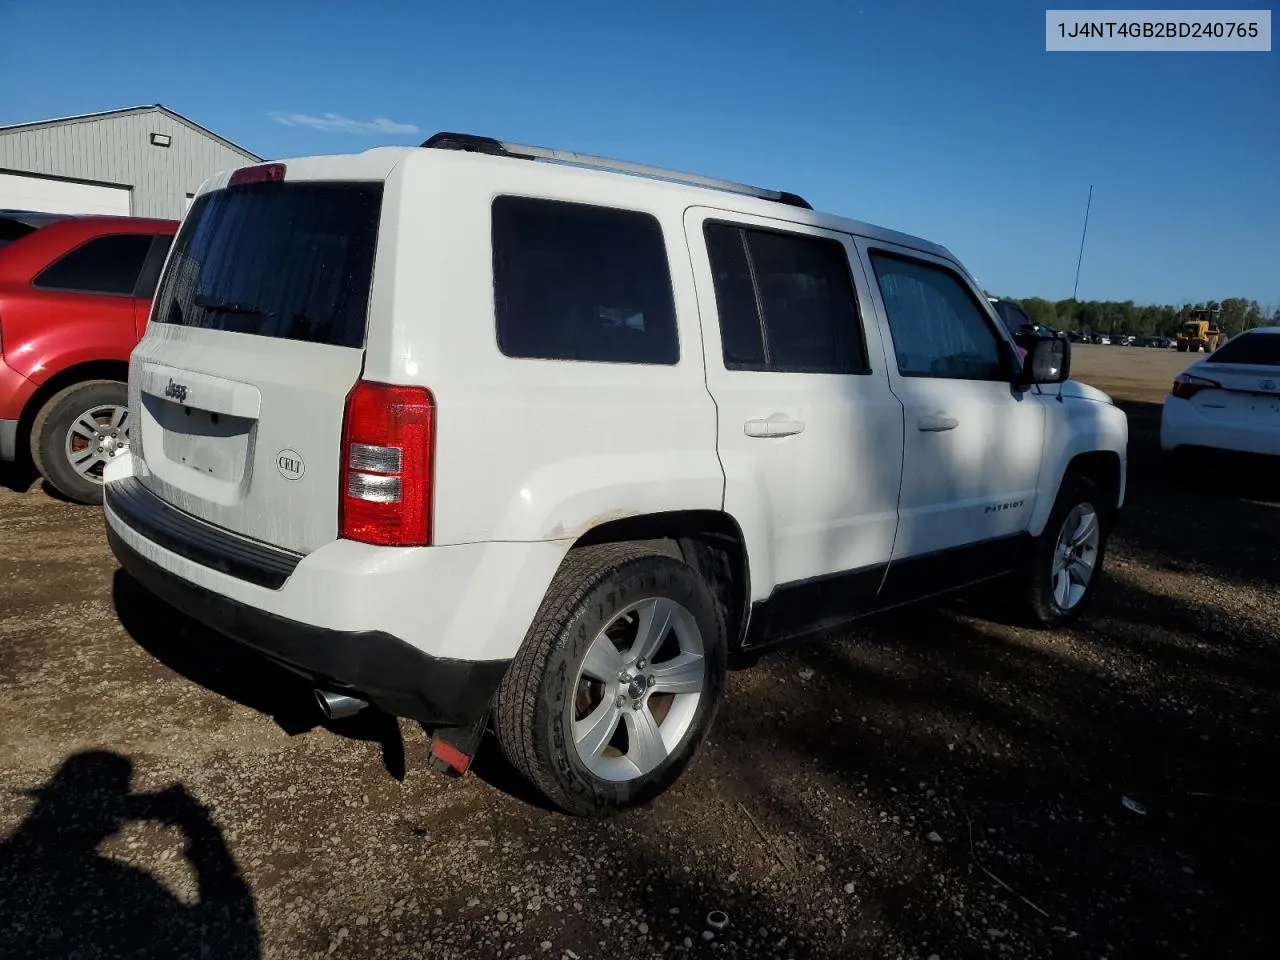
[{"x": 1116, "y": 316}]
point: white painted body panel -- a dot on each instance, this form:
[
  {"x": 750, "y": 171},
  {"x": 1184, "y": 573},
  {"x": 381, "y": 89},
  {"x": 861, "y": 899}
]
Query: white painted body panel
[
  {"x": 822, "y": 500},
  {"x": 467, "y": 602},
  {"x": 976, "y": 480},
  {"x": 1078, "y": 419},
  {"x": 268, "y": 396},
  {"x": 533, "y": 449},
  {"x": 1243, "y": 416},
  {"x": 1183, "y": 424}
]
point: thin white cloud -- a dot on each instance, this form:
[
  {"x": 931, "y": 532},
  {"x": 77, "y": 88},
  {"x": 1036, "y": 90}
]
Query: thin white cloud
[{"x": 336, "y": 123}]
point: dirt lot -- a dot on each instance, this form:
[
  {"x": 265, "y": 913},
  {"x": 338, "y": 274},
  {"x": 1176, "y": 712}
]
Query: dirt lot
[{"x": 933, "y": 784}]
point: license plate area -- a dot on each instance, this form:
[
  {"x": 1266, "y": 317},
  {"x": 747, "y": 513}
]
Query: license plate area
[{"x": 215, "y": 445}]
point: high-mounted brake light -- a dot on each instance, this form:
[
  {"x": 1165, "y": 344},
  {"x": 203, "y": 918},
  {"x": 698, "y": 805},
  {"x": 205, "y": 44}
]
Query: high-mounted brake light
[
  {"x": 261, "y": 173},
  {"x": 1186, "y": 386},
  {"x": 388, "y": 446}
]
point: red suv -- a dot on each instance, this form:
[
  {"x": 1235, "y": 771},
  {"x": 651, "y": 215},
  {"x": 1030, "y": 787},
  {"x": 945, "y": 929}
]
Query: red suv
[{"x": 74, "y": 297}]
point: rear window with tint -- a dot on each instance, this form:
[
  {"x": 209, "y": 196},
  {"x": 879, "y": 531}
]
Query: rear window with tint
[
  {"x": 286, "y": 260},
  {"x": 1254, "y": 348}
]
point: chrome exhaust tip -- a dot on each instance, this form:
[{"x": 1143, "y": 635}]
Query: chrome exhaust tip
[{"x": 336, "y": 706}]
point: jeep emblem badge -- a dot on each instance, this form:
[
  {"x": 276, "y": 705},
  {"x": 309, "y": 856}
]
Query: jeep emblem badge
[
  {"x": 176, "y": 391},
  {"x": 290, "y": 464}
]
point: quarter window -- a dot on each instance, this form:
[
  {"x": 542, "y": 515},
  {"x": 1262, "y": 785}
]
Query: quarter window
[{"x": 579, "y": 282}]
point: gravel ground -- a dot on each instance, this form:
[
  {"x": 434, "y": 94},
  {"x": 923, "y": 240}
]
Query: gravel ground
[{"x": 934, "y": 784}]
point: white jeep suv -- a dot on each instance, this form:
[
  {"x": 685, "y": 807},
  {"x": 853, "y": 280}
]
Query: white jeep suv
[{"x": 493, "y": 436}]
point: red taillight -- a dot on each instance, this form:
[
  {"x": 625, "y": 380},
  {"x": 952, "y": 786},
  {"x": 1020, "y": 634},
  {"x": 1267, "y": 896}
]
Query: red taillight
[
  {"x": 262, "y": 173},
  {"x": 1185, "y": 386},
  {"x": 388, "y": 441}
]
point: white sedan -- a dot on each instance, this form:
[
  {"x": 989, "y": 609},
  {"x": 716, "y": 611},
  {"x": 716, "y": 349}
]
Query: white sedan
[{"x": 1230, "y": 400}]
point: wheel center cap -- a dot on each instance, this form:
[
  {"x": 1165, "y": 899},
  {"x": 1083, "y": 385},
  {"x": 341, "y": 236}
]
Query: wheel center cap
[{"x": 638, "y": 685}]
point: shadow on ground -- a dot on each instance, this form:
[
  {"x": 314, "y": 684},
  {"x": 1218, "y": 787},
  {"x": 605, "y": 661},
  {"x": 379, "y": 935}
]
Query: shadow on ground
[
  {"x": 224, "y": 667},
  {"x": 17, "y": 477},
  {"x": 61, "y": 897}
]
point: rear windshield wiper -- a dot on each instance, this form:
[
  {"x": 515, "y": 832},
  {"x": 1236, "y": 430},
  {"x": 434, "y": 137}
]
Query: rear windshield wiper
[{"x": 230, "y": 306}]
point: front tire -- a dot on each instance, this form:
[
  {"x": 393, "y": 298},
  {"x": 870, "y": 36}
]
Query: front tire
[
  {"x": 1066, "y": 559},
  {"x": 617, "y": 682},
  {"x": 77, "y": 433}
]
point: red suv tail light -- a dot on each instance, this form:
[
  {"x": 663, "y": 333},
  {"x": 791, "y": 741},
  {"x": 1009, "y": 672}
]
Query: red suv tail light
[
  {"x": 1186, "y": 386},
  {"x": 388, "y": 446}
]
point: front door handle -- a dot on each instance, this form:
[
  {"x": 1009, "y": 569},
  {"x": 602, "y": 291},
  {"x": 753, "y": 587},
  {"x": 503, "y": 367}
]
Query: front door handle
[
  {"x": 937, "y": 423},
  {"x": 773, "y": 428}
]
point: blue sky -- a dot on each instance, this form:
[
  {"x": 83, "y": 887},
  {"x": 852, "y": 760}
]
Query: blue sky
[{"x": 947, "y": 120}]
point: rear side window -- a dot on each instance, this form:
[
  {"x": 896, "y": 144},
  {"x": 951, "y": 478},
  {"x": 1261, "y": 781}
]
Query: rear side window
[
  {"x": 104, "y": 265},
  {"x": 287, "y": 260},
  {"x": 573, "y": 281},
  {"x": 938, "y": 328},
  {"x": 1262, "y": 349},
  {"x": 786, "y": 302}
]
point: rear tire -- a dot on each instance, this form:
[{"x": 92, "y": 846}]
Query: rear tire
[
  {"x": 1070, "y": 550},
  {"x": 77, "y": 432},
  {"x": 591, "y": 742}
]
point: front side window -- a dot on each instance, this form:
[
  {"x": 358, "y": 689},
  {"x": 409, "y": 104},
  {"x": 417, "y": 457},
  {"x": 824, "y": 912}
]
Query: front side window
[
  {"x": 573, "y": 281},
  {"x": 786, "y": 301},
  {"x": 938, "y": 328},
  {"x": 105, "y": 265}
]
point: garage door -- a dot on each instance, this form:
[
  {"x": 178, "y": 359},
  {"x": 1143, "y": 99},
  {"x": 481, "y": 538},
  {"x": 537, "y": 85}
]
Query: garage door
[{"x": 21, "y": 192}]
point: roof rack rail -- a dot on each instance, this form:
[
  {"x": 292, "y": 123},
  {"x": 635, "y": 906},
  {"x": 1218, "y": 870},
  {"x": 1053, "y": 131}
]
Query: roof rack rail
[{"x": 499, "y": 148}]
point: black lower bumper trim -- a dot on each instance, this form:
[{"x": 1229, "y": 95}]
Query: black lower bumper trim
[
  {"x": 391, "y": 674},
  {"x": 189, "y": 537}
]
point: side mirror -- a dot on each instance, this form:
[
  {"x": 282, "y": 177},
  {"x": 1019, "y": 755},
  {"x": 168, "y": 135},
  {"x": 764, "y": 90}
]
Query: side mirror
[{"x": 1048, "y": 361}]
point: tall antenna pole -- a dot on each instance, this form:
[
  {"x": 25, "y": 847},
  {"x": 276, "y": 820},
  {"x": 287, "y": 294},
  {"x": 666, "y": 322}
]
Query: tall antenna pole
[{"x": 1083, "y": 233}]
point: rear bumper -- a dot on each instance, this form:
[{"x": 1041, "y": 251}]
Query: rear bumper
[
  {"x": 1181, "y": 425},
  {"x": 424, "y": 632},
  {"x": 386, "y": 671},
  {"x": 15, "y": 391}
]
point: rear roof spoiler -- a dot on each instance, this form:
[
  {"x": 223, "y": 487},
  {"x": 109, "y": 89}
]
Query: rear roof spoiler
[
  {"x": 33, "y": 218},
  {"x": 500, "y": 148}
]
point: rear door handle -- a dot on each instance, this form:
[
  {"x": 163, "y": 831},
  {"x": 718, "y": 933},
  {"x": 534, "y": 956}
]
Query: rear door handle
[
  {"x": 773, "y": 428},
  {"x": 937, "y": 423}
]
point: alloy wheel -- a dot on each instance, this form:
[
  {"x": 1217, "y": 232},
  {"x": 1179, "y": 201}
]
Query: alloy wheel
[{"x": 637, "y": 690}]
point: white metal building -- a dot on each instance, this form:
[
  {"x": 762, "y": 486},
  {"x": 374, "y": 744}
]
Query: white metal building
[{"x": 141, "y": 161}]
